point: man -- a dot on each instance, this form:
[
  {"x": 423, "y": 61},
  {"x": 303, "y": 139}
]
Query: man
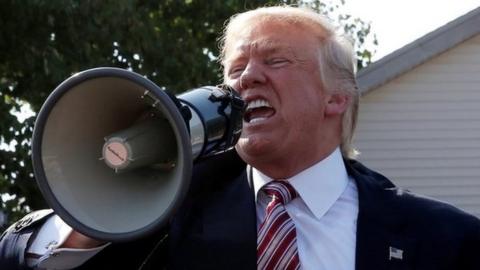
[{"x": 297, "y": 77}]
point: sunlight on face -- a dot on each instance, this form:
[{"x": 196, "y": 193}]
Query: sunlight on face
[{"x": 274, "y": 66}]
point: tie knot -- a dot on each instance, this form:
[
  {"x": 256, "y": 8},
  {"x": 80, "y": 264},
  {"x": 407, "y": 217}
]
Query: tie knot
[{"x": 280, "y": 191}]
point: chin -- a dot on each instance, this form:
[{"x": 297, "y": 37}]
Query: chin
[{"x": 253, "y": 149}]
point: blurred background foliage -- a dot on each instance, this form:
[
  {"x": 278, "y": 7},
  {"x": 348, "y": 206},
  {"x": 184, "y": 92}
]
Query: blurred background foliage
[{"x": 172, "y": 42}]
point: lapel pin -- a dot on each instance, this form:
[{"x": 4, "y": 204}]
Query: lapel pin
[{"x": 395, "y": 253}]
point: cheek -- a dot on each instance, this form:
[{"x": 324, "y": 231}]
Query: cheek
[
  {"x": 303, "y": 104},
  {"x": 235, "y": 84},
  {"x": 303, "y": 115},
  {"x": 227, "y": 79}
]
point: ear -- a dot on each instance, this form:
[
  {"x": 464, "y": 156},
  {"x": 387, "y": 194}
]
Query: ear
[{"x": 336, "y": 104}]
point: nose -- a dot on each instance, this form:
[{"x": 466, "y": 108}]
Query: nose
[{"x": 252, "y": 76}]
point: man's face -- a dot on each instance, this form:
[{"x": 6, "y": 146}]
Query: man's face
[{"x": 275, "y": 69}]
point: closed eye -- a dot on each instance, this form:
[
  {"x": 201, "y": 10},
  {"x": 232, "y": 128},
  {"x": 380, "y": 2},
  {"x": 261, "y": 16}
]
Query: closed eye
[
  {"x": 277, "y": 62},
  {"x": 236, "y": 71}
]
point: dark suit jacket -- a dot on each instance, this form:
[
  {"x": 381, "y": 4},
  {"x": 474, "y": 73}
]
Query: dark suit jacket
[{"x": 216, "y": 227}]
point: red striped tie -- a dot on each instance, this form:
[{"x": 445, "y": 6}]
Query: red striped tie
[{"x": 277, "y": 238}]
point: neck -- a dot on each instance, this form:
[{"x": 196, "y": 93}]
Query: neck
[{"x": 291, "y": 165}]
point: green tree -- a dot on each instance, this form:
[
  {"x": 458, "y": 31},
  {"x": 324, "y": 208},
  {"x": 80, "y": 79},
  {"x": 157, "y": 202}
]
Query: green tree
[{"x": 42, "y": 42}]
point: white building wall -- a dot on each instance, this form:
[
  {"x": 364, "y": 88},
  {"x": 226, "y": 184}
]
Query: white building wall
[{"x": 422, "y": 129}]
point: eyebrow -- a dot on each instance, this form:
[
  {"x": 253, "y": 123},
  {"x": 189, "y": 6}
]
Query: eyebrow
[
  {"x": 266, "y": 46},
  {"x": 269, "y": 46}
]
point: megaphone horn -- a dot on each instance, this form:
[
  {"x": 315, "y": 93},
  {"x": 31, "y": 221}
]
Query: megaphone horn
[{"x": 113, "y": 153}]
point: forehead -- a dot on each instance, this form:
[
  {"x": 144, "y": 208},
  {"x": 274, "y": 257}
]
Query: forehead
[
  {"x": 267, "y": 38},
  {"x": 262, "y": 45}
]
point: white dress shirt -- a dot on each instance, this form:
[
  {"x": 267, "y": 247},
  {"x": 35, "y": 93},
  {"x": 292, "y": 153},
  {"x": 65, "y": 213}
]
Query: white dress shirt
[{"x": 325, "y": 213}]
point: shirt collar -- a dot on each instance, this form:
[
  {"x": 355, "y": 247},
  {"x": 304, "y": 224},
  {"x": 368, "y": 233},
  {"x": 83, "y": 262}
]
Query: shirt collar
[{"x": 319, "y": 186}]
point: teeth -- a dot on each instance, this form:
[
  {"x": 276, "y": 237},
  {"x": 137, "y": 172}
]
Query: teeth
[
  {"x": 257, "y": 120},
  {"x": 257, "y": 103}
]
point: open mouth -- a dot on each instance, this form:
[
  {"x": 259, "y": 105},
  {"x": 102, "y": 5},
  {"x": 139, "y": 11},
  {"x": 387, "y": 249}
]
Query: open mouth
[{"x": 258, "y": 110}]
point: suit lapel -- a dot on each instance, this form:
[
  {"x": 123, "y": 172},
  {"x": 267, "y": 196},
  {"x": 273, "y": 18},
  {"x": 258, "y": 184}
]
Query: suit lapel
[{"x": 381, "y": 243}]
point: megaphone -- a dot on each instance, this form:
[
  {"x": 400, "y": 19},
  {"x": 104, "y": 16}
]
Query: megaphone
[{"x": 113, "y": 153}]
